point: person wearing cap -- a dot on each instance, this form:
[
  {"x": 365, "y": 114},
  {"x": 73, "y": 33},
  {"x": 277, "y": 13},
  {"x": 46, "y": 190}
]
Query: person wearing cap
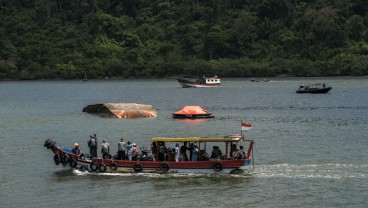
[
  {"x": 105, "y": 149},
  {"x": 121, "y": 149},
  {"x": 76, "y": 149},
  {"x": 92, "y": 144}
]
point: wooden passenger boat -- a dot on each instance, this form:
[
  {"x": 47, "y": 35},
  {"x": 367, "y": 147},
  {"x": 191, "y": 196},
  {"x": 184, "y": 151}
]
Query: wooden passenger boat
[
  {"x": 199, "y": 82},
  {"x": 160, "y": 162}
]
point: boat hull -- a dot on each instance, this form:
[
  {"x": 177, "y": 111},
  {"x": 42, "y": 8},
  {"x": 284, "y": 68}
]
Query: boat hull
[
  {"x": 315, "y": 90},
  {"x": 193, "y": 116}
]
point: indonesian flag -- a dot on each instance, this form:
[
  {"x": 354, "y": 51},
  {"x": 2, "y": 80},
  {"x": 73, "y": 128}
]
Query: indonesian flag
[{"x": 245, "y": 126}]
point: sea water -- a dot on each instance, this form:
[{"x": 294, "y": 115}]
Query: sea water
[{"x": 311, "y": 149}]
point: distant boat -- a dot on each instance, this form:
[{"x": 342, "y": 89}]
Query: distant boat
[
  {"x": 314, "y": 89},
  {"x": 192, "y": 112},
  {"x": 85, "y": 77},
  {"x": 258, "y": 80},
  {"x": 203, "y": 82}
]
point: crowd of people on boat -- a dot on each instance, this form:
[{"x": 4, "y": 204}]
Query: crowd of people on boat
[{"x": 130, "y": 151}]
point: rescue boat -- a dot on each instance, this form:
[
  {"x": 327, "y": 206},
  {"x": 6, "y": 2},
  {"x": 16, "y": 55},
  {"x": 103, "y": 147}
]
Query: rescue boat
[
  {"x": 160, "y": 162},
  {"x": 192, "y": 112}
]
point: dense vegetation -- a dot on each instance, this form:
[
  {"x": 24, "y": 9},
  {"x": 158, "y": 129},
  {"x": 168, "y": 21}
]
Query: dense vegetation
[{"x": 48, "y": 39}]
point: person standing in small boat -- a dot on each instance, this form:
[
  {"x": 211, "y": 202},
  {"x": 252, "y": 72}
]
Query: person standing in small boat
[
  {"x": 121, "y": 149},
  {"x": 92, "y": 144},
  {"x": 105, "y": 149}
]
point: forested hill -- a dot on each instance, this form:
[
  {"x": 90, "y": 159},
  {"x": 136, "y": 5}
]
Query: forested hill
[{"x": 48, "y": 39}]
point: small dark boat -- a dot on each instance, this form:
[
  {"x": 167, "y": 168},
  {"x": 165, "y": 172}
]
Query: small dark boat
[
  {"x": 192, "y": 112},
  {"x": 314, "y": 89}
]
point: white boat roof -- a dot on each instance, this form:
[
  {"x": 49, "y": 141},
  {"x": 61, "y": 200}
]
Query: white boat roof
[{"x": 196, "y": 139}]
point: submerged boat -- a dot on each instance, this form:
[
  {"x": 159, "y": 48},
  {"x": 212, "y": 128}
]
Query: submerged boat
[
  {"x": 192, "y": 112},
  {"x": 314, "y": 89},
  {"x": 258, "y": 80},
  {"x": 162, "y": 158},
  {"x": 204, "y": 82}
]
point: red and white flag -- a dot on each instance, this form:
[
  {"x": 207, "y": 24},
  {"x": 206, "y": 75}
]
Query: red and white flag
[{"x": 245, "y": 126}]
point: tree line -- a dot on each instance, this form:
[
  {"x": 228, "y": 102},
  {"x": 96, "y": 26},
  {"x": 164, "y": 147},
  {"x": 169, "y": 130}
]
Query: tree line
[{"x": 59, "y": 39}]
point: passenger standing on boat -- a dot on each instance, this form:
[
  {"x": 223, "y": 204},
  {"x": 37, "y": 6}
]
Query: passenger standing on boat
[
  {"x": 242, "y": 152},
  {"x": 177, "y": 152},
  {"x": 154, "y": 149},
  {"x": 233, "y": 150},
  {"x": 191, "y": 148},
  {"x": 195, "y": 152},
  {"x": 105, "y": 149},
  {"x": 169, "y": 154},
  {"x": 162, "y": 151},
  {"x": 135, "y": 150},
  {"x": 216, "y": 152},
  {"x": 183, "y": 151},
  {"x": 324, "y": 85},
  {"x": 121, "y": 149},
  {"x": 236, "y": 153},
  {"x": 92, "y": 144},
  {"x": 129, "y": 150}
]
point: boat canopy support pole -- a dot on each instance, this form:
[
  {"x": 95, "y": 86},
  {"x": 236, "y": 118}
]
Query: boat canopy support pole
[
  {"x": 250, "y": 149},
  {"x": 252, "y": 159}
]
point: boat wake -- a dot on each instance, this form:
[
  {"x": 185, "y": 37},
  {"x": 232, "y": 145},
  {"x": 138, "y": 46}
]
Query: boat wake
[
  {"x": 162, "y": 175},
  {"x": 309, "y": 171},
  {"x": 323, "y": 171}
]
